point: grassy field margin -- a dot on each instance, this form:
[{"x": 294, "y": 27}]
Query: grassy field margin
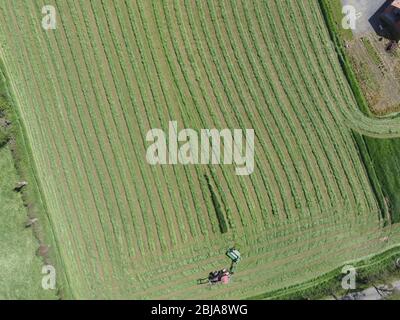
[
  {"x": 385, "y": 262},
  {"x": 374, "y": 165},
  {"x": 368, "y": 271},
  {"x": 32, "y": 195}
]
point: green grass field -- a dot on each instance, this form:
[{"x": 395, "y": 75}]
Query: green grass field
[
  {"x": 87, "y": 93},
  {"x": 20, "y": 268},
  {"x": 382, "y": 154}
]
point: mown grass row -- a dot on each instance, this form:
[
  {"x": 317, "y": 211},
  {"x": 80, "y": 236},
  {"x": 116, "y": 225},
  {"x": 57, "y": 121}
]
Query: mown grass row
[
  {"x": 138, "y": 65},
  {"x": 338, "y": 99},
  {"x": 285, "y": 85},
  {"x": 310, "y": 162},
  {"x": 55, "y": 161},
  {"x": 341, "y": 134},
  {"x": 337, "y": 149},
  {"x": 184, "y": 107},
  {"x": 115, "y": 106},
  {"x": 249, "y": 42},
  {"x": 72, "y": 130},
  {"x": 337, "y": 166},
  {"x": 197, "y": 208},
  {"x": 204, "y": 95},
  {"x": 268, "y": 246},
  {"x": 283, "y": 265},
  {"x": 99, "y": 99},
  {"x": 367, "y": 162},
  {"x": 220, "y": 97},
  {"x": 211, "y": 45},
  {"x": 133, "y": 101},
  {"x": 309, "y": 181},
  {"x": 283, "y": 246},
  {"x": 91, "y": 173},
  {"x": 50, "y": 163},
  {"x": 248, "y": 90},
  {"x": 289, "y": 128},
  {"x": 232, "y": 81},
  {"x": 146, "y": 101}
]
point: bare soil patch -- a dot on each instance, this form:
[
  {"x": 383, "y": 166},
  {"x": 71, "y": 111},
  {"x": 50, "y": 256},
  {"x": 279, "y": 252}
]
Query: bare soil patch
[{"x": 378, "y": 72}]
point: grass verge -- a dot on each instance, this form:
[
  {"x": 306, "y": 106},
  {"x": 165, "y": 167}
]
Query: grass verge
[
  {"x": 369, "y": 271},
  {"x": 32, "y": 196},
  {"x": 379, "y": 155}
]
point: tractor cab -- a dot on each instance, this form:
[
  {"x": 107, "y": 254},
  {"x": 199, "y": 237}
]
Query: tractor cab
[{"x": 234, "y": 255}]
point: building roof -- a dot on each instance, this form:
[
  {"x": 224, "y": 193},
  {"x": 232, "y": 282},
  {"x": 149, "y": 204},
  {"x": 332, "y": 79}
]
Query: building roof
[
  {"x": 396, "y": 3},
  {"x": 391, "y": 18}
]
